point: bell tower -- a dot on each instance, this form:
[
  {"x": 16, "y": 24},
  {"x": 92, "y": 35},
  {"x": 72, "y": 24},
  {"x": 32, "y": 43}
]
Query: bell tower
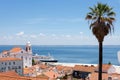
[{"x": 28, "y": 47}]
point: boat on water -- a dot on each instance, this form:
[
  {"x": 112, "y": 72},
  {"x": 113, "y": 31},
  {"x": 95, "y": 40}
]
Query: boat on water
[{"x": 44, "y": 58}]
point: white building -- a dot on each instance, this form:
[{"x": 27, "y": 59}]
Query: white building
[
  {"x": 114, "y": 69},
  {"x": 8, "y": 64},
  {"x": 17, "y": 52}
]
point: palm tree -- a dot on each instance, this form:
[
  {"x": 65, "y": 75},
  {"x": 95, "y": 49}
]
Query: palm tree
[{"x": 101, "y": 18}]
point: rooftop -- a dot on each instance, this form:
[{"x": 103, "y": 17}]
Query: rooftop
[
  {"x": 9, "y": 59},
  {"x": 5, "y": 52},
  {"x": 11, "y": 75},
  {"x": 94, "y": 76},
  {"x": 28, "y": 71},
  {"x": 84, "y": 68},
  {"x": 15, "y": 49},
  {"x": 51, "y": 74},
  {"x": 105, "y": 67}
]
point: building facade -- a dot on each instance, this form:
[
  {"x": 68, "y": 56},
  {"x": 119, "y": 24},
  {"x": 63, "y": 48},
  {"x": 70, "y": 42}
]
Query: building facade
[
  {"x": 17, "y": 52},
  {"x": 9, "y": 64}
]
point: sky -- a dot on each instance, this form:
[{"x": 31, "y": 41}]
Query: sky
[{"x": 52, "y": 22}]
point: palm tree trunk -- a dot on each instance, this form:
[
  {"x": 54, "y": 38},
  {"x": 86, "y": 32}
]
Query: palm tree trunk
[{"x": 100, "y": 61}]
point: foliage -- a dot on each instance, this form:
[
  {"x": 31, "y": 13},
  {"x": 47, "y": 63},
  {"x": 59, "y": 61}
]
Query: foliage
[
  {"x": 101, "y": 18},
  {"x": 33, "y": 62},
  {"x": 109, "y": 63}
]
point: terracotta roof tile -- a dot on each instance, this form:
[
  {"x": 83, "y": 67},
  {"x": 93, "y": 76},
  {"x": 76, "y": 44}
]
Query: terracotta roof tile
[
  {"x": 43, "y": 76},
  {"x": 9, "y": 59},
  {"x": 43, "y": 66},
  {"x": 59, "y": 67},
  {"x": 16, "y": 49},
  {"x": 115, "y": 76},
  {"x": 51, "y": 74},
  {"x": 28, "y": 70},
  {"x": 94, "y": 76},
  {"x": 84, "y": 68},
  {"x": 10, "y": 75},
  {"x": 105, "y": 67}
]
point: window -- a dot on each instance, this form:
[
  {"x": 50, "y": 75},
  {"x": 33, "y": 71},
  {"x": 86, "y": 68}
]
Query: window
[
  {"x": 75, "y": 73},
  {"x": 9, "y": 63},
  {"x": 21, "y": 57},
  {"x": 15, "y": 67},
  {"x": 5, "y": 63},
  {"x": 8, "y": 68},
  {"x": 19, "y": 67},
  {"x": 2, "y": 68},
  {"x": 109, "y": 78},
  {"x": 14, "y": 63},
  {"x": 29, "y": 48}
]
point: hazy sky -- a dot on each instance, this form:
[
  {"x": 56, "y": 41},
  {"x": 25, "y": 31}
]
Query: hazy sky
[{"x": 52, "y": 22}]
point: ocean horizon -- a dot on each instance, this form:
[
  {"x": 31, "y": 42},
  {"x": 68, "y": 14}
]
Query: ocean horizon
[{"x": 86, "y": 54}]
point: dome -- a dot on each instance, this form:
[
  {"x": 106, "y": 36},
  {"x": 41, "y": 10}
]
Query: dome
[{"x": 28, "y": 43}]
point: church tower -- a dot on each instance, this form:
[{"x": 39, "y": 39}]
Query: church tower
[{"x": 28, "y": 48}]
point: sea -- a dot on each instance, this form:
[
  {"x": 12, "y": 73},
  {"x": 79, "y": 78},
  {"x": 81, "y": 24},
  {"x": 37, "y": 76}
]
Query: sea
[{"x": 81, "y": 54}]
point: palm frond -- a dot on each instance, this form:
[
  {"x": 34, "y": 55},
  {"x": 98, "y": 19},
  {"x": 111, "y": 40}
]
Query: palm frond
[
  {"x": 90, "y": 13},
  {"x": 92, "y": 9},
  {"x": 108, "y": 27},
  {"x": 111, "y": 14},
  {"x": 93, "y": 24},
  {"x": 111, "y": 18},
  {"x": 101, "y": 17},
  {"x": 88, "y": 17}
]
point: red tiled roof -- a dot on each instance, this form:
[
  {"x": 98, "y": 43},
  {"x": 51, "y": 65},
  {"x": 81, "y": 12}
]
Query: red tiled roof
[
  {"x": 84, "y": 68},
  {"x": 16, "y": 49},
  {"x": 43, "y": 66},
  {"x": 9, "y": 59},
  {"x": 59, "y": 67},
  {"x": 105, "y": 67},
  {"x": 94, "y": 76},
  {"x": 11, "y": 75},
  {"x": 51, "y": 74},
  {"x": 28, "y": 70}
]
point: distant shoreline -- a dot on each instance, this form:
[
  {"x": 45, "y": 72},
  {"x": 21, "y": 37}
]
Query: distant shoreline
[{"x": 73, "y": 64}]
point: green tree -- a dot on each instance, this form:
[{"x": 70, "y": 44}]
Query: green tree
[
  {"x": 109, "y": 63},
  {"x": 33, "y": 62},
  {"x": 101, "y": 18}
]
